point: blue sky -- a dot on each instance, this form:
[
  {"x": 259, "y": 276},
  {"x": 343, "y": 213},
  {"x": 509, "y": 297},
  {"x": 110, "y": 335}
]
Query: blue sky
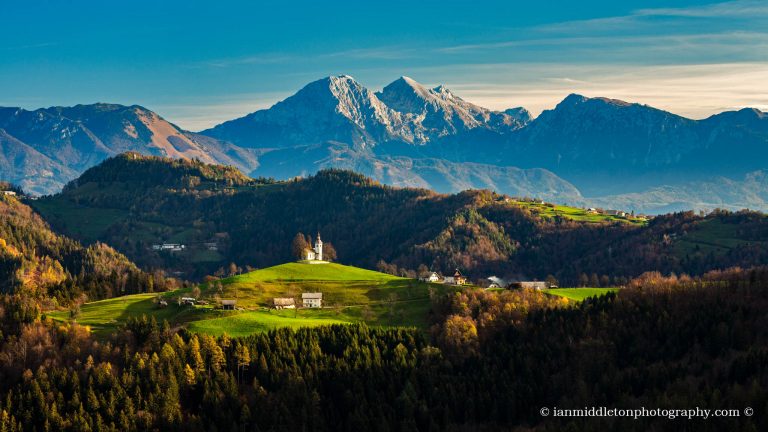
[{"x": 199, "y": 63}]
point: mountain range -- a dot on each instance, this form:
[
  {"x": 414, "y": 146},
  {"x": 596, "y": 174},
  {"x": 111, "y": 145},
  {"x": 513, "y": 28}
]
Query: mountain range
[{"x": 585, "y": 151}]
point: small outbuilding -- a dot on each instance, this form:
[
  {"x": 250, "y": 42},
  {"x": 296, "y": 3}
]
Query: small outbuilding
[
  {"x": 284, "y": 303},
  {"x": 228, "y": 304}
]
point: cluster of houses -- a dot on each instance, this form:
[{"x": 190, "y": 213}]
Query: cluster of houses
[
  {"x": 434, "y": 277},
  {"x": 489, "y": 282},
  {"x": 309, "y": 300},
  {"x": 169, "y": 247},
  {"x": 616, "y": 213}
]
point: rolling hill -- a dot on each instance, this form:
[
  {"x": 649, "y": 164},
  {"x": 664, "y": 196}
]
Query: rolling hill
[{"x": 350, "y": 295}]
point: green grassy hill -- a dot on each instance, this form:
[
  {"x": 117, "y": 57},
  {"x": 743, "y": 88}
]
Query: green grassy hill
[
  {"x": 341, "y": 285},
  {"x": 350, "y": 295}
]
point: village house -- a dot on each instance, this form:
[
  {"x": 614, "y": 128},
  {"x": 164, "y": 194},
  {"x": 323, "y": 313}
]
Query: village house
[
  {"x": 284, "y": 303},
  {"x": 228, "y": 304},
  {"x": 456, "y": 279},
  {"x": 7, "y": 192},
  {"x": 315, "y": 255},
  {"x": 618, "y": 213},
  {"x": 431, "y": 277},
  {"x": 312, "y": 300}
]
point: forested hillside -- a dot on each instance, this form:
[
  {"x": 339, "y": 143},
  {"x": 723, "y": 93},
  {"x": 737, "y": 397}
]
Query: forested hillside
[
  {"x": 133, "y": 202},
  {"x": 38, "y": 264},
  {"x": 492, "y": 362}
]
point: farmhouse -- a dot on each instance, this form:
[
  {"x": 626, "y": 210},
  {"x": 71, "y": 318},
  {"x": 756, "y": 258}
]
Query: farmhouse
[
  {"x": 187, "y": 301},
  {"x": 284, "y": 303},
  {"x": 431, "y": 277},
  {"x": 7, "y": 192},
  {"x": 537, "y": 285},
  {"x": 618, "y": 213},
  {"x": 312, "y": 300},
  {"x": 228, "y": 304},
  {"x": 315, "y": 255}
]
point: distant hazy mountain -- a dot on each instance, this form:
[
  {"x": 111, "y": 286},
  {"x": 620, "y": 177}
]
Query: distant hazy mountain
[
  {"x": 609, "y": 146},
  {"x": 45, "y": 148},
  {"x": 436, "y": 174},
  {"x": 585, "y": 150},
  {"x": 750, "y": 192}
]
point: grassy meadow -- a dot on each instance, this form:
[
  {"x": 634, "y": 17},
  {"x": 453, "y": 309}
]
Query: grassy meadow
[
  {"x": 350, "y": 295},
  {"x": 574, "y": 213}
]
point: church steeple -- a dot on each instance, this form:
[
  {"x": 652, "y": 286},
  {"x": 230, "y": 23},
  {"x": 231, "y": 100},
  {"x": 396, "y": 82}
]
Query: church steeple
[{"x": 318, "y": 248}]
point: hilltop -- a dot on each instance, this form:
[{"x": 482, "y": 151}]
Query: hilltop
[
  {"x": 134, "y": 202},
  {"x": 350, "y": 295}
]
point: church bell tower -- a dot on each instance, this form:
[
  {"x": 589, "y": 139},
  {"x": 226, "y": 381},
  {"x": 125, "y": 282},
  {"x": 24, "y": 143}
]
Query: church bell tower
[{"x": 318, "y": 248}]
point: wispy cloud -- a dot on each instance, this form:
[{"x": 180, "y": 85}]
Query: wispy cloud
[
  {"x": 377, "y": 53},
  {"x": 722, "y": 32},
  {"x": 29, "y": 46},
  {"x": 367, "y": 54},
  {"x": 694, "y": 91},
  {"x": 260, "y": 59},
  {"x": 739, "y": 8}
]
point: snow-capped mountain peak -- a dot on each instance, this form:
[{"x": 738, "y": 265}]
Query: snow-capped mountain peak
[{"x": 340, "y": 108}]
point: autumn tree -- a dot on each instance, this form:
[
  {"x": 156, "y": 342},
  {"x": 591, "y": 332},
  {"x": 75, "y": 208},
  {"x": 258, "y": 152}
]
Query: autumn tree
[
  {"x": 299, "y": 245},
  {"x": 329, "y": 252}
]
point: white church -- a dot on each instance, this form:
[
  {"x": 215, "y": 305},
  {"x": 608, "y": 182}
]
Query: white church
[{"x": 315, "y": 255}]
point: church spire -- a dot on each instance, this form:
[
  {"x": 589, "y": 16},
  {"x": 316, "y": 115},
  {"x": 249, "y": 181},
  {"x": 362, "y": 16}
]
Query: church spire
[{"x": 318, "y": 248}]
